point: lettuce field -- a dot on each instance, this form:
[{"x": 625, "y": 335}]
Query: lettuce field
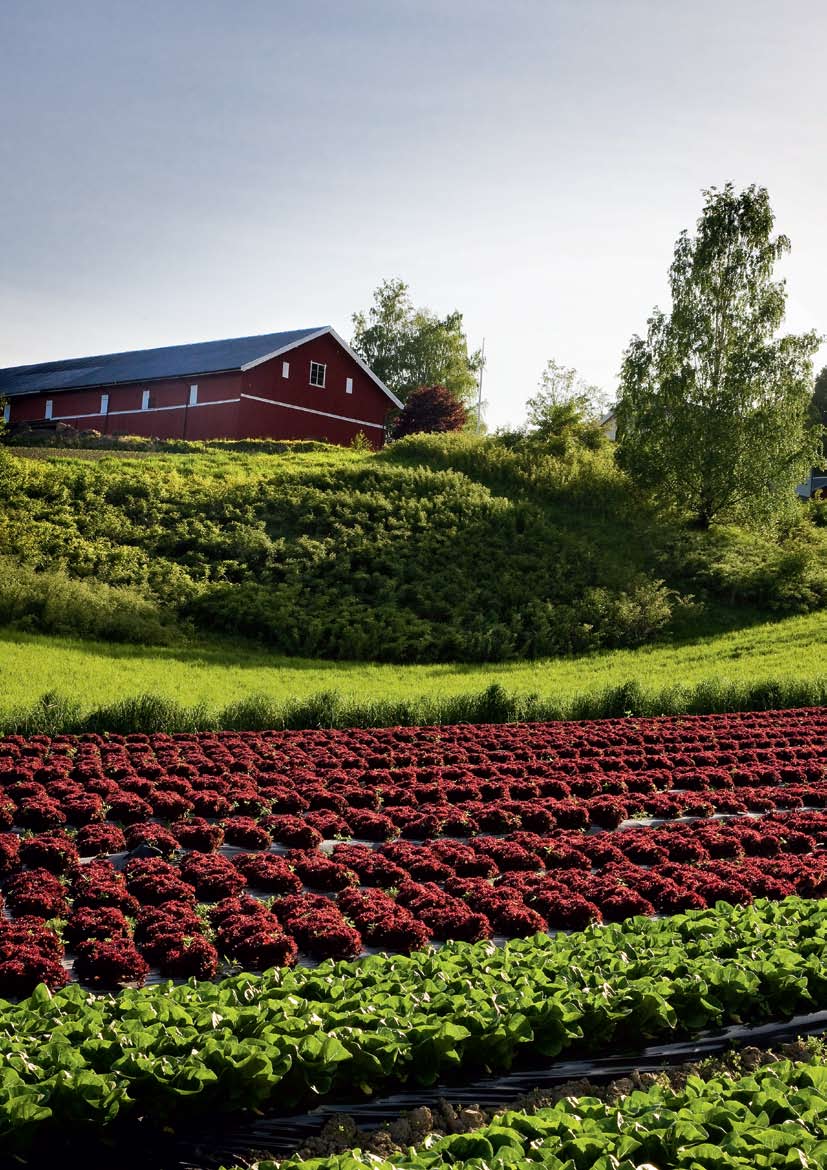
[{"x": 231, "y": 923}]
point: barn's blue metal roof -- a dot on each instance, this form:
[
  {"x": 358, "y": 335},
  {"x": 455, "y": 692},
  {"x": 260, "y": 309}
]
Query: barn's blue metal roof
[{"x": 147, "y": 365}]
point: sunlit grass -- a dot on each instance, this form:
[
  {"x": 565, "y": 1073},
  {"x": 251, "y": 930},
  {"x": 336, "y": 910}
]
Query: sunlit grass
[{"x": 216, "y": 674}]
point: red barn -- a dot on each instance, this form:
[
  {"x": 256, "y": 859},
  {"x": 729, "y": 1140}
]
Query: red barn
[{"x": 302, "y": 384}]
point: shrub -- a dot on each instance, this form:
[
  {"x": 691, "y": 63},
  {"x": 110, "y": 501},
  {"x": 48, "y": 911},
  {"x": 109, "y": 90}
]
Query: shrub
[
  {"x": 428, "y": 409},
  {"x": 783, "y": 571},
  {"x": 54, "y": 603},
  {"x": 444, "y": 547}
]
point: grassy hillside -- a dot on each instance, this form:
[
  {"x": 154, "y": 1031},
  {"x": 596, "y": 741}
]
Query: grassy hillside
[
  {"x": 439, "y": 549},
  {"x": 214, "y": 674}
]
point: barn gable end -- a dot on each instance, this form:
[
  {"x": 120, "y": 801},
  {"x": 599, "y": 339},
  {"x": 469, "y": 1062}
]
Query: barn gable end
[{"x": 278, "y": 399}]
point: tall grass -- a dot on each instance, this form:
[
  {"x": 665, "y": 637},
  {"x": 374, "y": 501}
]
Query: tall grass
[
  {"x": 55, "y": 714},
  {"x": 52, "y": 602}
]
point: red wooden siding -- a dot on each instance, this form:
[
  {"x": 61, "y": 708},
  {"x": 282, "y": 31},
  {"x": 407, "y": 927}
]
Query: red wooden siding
[
  {"x": 296, "y": 410},
  {"x": 169, "y": 414},
  {"x": 253, "y": 404}
]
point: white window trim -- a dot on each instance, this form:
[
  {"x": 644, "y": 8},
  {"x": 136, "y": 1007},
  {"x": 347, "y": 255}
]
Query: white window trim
[
  {"x": 319, "y": 366},
  {"x": 7, "y": 412},
  {"x": 285, "y": 369},
  {"x": 145, "y": 400},
  {"x": 193, "y": 399},
  {"x": 348, "y": 385},
  {"x": 104, "y": 404},
  {"x": 49, "y": 405}
]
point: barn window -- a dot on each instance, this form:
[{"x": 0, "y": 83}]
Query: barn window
[
  {"x": 349, "y": 386},
  {"x": 104, "y": 404},
  {"x": 317, "y": 373},
  {"x": 145, "y": 400},
  {"x": 6, "y": 413},
  {"x": 194, "y": 395},
  {"x": 285, "y": 369},
  {"x": 48, "y": 408}
]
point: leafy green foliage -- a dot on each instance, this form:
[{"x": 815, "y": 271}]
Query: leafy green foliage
[
  {"x": 818, "y": 410},
  {"x": 443, "y": 547},
  {"x": 820, "y": 395},
  {"x": 293, "y": 1036},
  {"x": 53, "y": 602},
  {"x": 68, "y": 438},
  {"x": 566, "y": 407},
  {"x": 783, "y": 574},
  {"x": 55, "y": 713},
  {"x": 344, "y": 555},
  {"x": 408, "y": 347},
  {"x": 713, "y": 409},
  {"x": 774, "y": 1117}
]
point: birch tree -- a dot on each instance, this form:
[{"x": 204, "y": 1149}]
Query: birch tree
[{"x": 714, "y": 406}]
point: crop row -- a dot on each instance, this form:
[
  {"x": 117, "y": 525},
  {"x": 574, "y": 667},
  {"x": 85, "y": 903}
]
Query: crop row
[
  {"x": 775, "y": 1117},
  {"x": 117, "y": 922},
  {"x": 770, "y": 740},
  {"x": 174, "y": 801},
  {"x": 174, "y": 1051},
  {"x": 252, "y": 812},
  {"x": 111, "y": 949},
  {"x": 794, "y": 831}
]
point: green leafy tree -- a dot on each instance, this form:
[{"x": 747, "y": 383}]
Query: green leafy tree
[
  {"x": 713, "y": 411},
  {"x": 818, "y": 408},
  {"x": 565, "y": 404},
  {"x": 820, "y": 391},
  {"x": 408, "y": 347}
]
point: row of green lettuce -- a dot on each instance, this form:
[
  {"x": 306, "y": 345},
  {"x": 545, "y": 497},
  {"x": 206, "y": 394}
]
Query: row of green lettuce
[
  {"x": 169, "y": 1054},
  {"x": 776, "y": 1117}
]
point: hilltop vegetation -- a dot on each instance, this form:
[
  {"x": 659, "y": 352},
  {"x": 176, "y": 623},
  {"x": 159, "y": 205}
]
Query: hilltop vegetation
[{"x": 439, "y": 548}]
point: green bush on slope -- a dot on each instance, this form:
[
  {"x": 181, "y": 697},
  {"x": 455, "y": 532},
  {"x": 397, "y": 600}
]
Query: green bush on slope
[
  {"x": 54, "y": 603},
  {"x": 441, "y": 548}
]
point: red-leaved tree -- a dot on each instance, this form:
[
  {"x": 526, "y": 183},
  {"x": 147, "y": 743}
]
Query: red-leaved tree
[{"x": 429, "y": 408}]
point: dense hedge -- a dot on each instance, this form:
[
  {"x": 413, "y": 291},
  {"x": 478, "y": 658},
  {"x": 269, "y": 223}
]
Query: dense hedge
[
  {"x": 452, "y": 550},
  {"x": 52, "y": 602},
  {"x": 70, "y": 440}
]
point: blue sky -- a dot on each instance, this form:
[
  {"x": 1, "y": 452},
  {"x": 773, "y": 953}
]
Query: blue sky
[{"x": 182, "y": 171}]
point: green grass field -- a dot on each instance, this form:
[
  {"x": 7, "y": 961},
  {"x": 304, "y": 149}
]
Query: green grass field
[{"x": 216, "y": 674}]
